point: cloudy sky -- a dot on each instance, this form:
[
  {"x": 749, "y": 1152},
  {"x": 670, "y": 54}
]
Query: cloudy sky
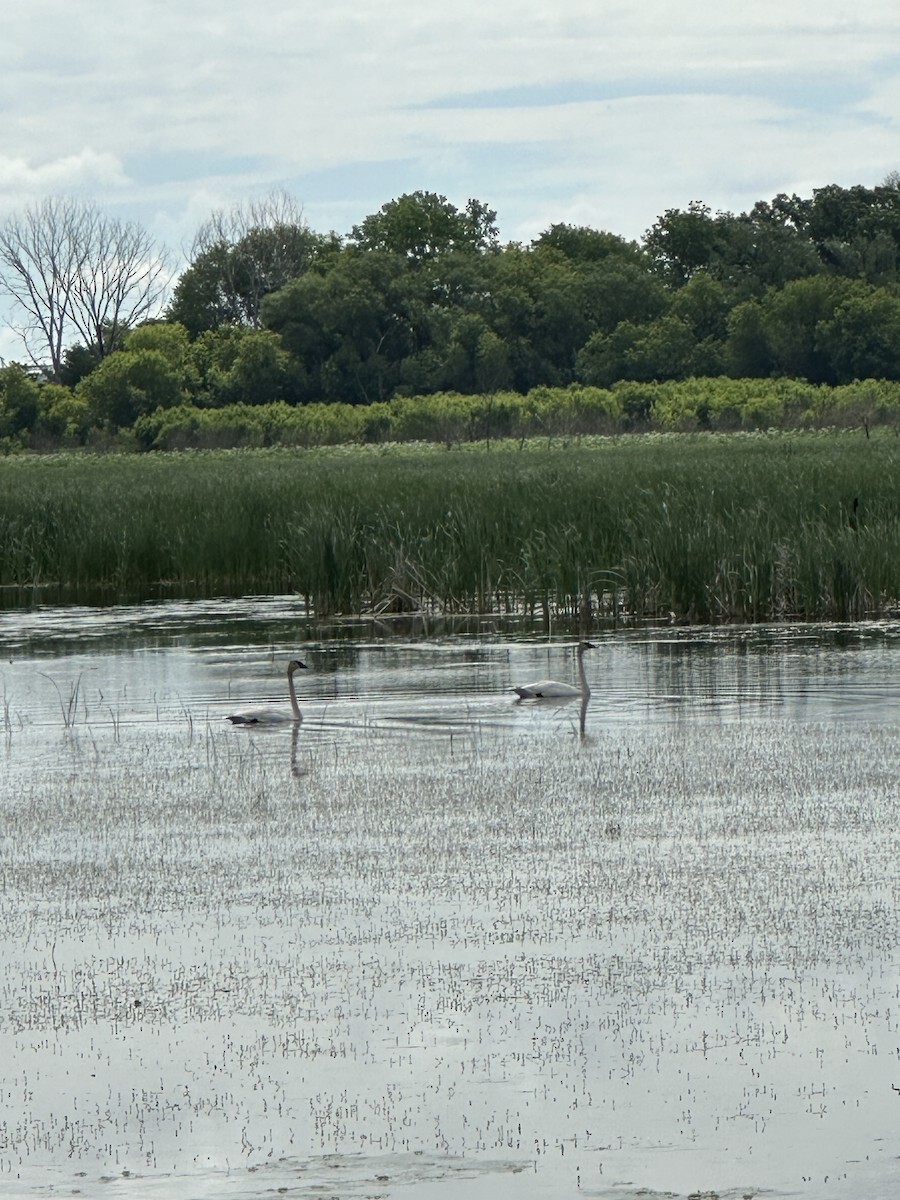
[{"x": 594, "y": 112}]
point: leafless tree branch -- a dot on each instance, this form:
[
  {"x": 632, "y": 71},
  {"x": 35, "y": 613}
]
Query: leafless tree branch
[
  {"x": 73, "y": 271},
  {"x": 261, "y": 244}
]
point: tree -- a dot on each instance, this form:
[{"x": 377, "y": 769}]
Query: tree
[
  {"x": 605, "y": 357},
  {"x": 748, "y": 354},
  {"x": 349, "y": 326},
  {"x": 19, "y": 400},
  {"x": 584, "y": 244},
  {"x": 203, "y": 298},
  {"x": 856, "y": 231},
  {"x": 703, "y": 305},
  {"x": 492, "y": 369},
  {"x": 78, "y": 361},
  {"x": 169, "y": 338},
  {"x": 262, "y": 371},
  {"x": 242, "y": 366},
  {"x": 72, "y": 270},
  {"x": 538, "y": 302},
  {"x": 172, "y": 342},
  {"x": 791, "y": 318},
  {"x": 128, "y": 385},
  {"x": 681, "y": 242},
  {"x": 423, "y": 225},
  {"x": 668, "y": 349},
  {"x": 615, "y": 289},
  {"x": 766, "y": 247},
  {"x": 862, "y": 338},
  {"x": 239, "y": 257},
  {"x": 63, "y": 417}
]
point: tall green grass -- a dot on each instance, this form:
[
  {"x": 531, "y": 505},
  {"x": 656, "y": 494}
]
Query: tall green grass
[{"x": 710, "y": 527}]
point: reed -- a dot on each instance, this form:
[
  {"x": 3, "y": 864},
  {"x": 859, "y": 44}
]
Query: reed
[{"x": 709, "y": 527}]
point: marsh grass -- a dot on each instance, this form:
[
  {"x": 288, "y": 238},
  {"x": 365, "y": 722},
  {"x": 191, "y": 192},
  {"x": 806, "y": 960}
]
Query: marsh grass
[
  {"x": 671, "y": 953},
  {"x": 708, "y": 527}
]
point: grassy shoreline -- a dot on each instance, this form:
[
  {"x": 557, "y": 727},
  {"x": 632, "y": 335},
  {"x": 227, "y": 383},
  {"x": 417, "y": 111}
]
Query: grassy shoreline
[{"x": 711, "y": 527}]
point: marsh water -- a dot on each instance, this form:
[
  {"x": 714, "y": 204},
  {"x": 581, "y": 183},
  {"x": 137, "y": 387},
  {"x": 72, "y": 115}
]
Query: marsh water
[{"x": 434, "y": 942}]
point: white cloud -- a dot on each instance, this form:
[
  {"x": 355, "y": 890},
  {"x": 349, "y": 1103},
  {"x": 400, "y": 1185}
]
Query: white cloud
[
  {"x": 597, "y": 107},
  {"x": 596, "y": 112},
  {"x": 85, "y": 170}
]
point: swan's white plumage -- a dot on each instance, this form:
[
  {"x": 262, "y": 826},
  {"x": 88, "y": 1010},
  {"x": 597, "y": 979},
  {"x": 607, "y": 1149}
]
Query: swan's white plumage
[
  {"x": 546, "y": 689},
  {"x": 552, "y": 689},
  {"x": 274, "y": 716}
]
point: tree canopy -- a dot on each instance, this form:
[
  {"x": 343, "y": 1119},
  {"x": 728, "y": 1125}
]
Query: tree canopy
[
  {"x": 240, "y": 257},
  {"x": 424, "y": 225},
  {"x": 421, "y": 298}
]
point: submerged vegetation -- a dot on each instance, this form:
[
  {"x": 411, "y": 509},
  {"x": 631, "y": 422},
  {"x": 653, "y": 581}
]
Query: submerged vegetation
[
  {"x": 709, "y": 528},
  {"x": 668, "y": 950}
]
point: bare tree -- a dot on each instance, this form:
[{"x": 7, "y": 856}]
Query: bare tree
[
  {"x": 253, "y": 249},
  {"x": 37, "y": 264},
  {"x": 72, "y": 271}
]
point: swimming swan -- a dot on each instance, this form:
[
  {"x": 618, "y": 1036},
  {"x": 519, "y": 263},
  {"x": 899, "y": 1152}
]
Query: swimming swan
[
  {"x": 549, "y": 689},
  {"x": 271, "y": 716}
]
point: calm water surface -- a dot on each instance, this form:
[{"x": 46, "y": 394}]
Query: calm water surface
[{"x": 436, "y": 942}]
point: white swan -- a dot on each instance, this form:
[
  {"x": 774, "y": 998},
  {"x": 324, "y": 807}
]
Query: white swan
[
  {"x": 549, "y": 689},
  {"x": 271, "y": 716}
]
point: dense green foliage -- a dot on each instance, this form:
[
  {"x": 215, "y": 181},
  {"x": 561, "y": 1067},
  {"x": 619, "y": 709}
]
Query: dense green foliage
[
  {"x": 712, "y": 528},
  {"x": 421, "y": 300},
  {"x": 450, "y": 418},
  {"x": 144, "y": 410}
]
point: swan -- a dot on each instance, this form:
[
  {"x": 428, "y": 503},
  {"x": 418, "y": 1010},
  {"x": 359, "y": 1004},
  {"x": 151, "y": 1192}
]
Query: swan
[
  {"x": 549, "y": 689},
  {"x": 270, "y": 716}
]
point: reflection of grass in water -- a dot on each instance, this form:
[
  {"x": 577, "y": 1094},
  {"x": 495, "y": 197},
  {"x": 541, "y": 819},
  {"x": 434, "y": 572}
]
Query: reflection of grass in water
[
  {"x": 485, "y": 947},
  {"x": 746, "y": 527}
]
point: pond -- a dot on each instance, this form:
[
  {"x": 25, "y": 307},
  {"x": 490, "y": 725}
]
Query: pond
[{"x": 434, "y": 941}]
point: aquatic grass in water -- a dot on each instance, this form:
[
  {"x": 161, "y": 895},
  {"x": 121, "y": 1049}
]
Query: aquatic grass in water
[
  {"x": 711, "y": 528},
  {"x": 665, "y": 954}
]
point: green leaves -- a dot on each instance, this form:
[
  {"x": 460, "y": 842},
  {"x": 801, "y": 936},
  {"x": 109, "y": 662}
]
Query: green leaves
[
  {"x": 129, "y": 384},
  {"x": 421, "y": 226},
  {"x": 420, "y": 299}
]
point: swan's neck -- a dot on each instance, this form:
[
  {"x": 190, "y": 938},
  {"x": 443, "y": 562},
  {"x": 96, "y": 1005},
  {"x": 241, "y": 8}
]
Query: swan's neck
[
  {"x": 582, "y": 678},
  {"x": 295, "y": 707}
]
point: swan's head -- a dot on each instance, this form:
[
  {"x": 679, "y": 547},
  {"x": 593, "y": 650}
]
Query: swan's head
[{"x": 296, "y": 665}]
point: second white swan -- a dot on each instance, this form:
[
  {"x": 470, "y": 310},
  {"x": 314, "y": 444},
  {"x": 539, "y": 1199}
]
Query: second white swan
[{"x": 551, "y": 689}]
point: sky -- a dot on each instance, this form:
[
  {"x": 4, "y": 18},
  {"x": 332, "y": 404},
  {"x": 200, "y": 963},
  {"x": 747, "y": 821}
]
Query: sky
[{"x": 590, "y": 112}]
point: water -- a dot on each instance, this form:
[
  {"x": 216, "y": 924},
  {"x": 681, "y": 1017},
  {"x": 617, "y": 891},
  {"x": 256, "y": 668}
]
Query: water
[{"x": 434, "y": 941}]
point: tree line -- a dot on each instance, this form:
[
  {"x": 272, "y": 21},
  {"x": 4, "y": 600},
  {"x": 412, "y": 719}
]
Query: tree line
[{"x": 422, "y": 299}]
